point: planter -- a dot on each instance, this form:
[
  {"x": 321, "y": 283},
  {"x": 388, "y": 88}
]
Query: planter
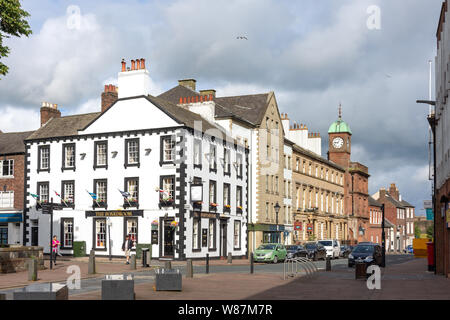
[
  {"x": 226, "y": 209},
  {"x": 166, "y": 203},
  {"x": 131, "y": 204}
]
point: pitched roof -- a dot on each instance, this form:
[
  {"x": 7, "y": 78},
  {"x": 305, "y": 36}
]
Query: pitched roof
[
  {"x": 373, "y": 202},
  {"x": 12, "y": 142},
  {"x": 64, "y": 126},
  {"x": 250, "y": 108},
  {"x": 313, "y": 155},
  {"x": 406, "y": 204},
  {"x": 393, "y": 201}
]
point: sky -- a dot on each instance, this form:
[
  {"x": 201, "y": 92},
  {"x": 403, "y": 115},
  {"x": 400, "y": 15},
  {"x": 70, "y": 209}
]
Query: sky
[{"x": 370, "y": 56}]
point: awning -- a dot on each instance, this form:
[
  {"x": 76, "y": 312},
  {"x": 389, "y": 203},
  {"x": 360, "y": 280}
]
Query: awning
[{"x": 10, "y": 217}]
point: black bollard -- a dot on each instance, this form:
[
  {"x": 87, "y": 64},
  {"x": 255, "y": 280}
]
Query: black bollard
[
  {"x": 207, "y": 263},
  {"x": 328, "y": 264},
  {"x": 251, "y": 263}
]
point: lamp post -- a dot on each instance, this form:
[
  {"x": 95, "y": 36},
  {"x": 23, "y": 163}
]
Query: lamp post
[
  {"x": 109, "y": 222},
  {"x": 277, "y": 209},
  {"x": 383, "y": 239}
]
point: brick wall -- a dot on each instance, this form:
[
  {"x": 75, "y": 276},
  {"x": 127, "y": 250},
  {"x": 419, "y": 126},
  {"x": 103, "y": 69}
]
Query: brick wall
[{"x": 15, "y": 184}]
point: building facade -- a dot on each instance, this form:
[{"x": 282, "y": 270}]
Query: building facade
[
  {"x": 143, "y": 166},
  {"x": 12, "y": 155},
  {"x": 440, "y": 120}
]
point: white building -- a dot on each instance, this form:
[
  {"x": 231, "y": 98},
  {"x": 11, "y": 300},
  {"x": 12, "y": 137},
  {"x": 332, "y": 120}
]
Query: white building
[{"x": 163, "y": 155}]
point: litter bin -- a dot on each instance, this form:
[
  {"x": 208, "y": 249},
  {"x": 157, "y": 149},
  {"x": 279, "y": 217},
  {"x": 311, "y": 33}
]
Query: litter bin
[
  {"x": 360, "y": 270},
  {"x": 144, "y": 257},
  {"x": 430, "y": 256}
]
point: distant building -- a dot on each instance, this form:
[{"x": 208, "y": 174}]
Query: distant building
[{"x": 12, "y": 162}]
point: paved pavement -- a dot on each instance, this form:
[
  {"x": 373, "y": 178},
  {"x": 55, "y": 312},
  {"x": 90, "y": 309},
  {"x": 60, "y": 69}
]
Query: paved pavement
[{"x": 405, "y": 277}]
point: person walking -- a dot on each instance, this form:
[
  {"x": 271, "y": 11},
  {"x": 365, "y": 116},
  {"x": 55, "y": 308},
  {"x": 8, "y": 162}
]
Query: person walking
[
  {"x": 55, "y": 245},
  {"x": 126, "y": 246}
]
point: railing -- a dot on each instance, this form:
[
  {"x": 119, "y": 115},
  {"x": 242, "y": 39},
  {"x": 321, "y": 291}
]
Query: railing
[
  {"x": 6, "y": 199},
  {"x": 293, "y": 267}
]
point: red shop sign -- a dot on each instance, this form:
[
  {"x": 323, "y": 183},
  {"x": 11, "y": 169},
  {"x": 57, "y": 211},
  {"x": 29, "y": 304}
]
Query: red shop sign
[{"x": 298, "y": 225}]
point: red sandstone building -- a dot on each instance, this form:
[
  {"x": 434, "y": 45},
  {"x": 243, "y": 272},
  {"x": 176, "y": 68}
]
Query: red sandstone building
[
  {"x": 12, "y": 155},
  {"x": 356, "y": 180}
]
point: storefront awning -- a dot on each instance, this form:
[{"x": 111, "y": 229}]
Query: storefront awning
[{"x": 10, "y": 217}]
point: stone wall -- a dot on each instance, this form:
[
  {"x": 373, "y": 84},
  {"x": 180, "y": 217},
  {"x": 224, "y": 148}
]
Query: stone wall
[{"x": 15, "y": 258}]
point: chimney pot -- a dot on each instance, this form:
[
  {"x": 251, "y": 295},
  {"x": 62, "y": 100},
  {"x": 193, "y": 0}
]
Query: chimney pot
[
  {"x": 181, "y": 100},
  {"x": 133, "y": 66},
  {"x": 185, "y": 99},
  {"x": 142, "y": 63},
  {"x": 124, "y": 68}
]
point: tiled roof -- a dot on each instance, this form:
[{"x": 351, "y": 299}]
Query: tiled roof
[
  {"x": 173, "y": 95},
  {"x": 393, "y": 201},
  {"x": 12, "y": 142},
  {"x": 317, "y": 157},
  {"x": 406, "y": 204},
  {"x": 64, "y": 126},
  {"x": 373, "y": 202}
]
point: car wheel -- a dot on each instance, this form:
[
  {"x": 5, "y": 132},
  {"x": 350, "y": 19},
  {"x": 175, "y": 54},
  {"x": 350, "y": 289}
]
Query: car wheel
[
  {"x": 314, "y": 258},
  {"x": 275, "y": 259}
]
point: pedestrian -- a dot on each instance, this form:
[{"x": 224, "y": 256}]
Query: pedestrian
[
  {"x": 55, "y": 245},
  {"x": 126, "y": 246}
]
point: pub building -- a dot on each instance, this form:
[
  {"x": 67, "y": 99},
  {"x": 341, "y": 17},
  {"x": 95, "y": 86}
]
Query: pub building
[{"x": 142, "y": 166}]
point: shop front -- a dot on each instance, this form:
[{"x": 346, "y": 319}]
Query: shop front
[{"x": 10, "y": 223}]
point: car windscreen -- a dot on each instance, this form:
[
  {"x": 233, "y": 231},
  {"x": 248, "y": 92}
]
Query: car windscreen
[
  {"x": 326, "y": 243},
  {"x": 363, "y": 249},
  {"x": 310, "y": 246},
  {"x": 291, "y": 248},
  {"x": 267, "y": 247}
]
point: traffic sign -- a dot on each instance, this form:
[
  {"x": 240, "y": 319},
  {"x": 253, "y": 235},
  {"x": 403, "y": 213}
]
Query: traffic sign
[
  {"x": 430, "y": 215},
  {"x": 427, "y": 204}
]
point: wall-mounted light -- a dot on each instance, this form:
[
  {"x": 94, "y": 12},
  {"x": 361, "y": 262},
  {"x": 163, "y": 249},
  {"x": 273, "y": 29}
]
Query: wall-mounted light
[
  {"x": 235, "y": 164},
  {"x": 147, "y": 151},
  {"x": 82, "y": 155},
  {"x": 114, "y": 153}
]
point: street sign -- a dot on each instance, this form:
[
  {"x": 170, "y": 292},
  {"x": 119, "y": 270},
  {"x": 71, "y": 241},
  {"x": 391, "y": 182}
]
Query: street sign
[
  {"x": 48, "y": 207},
  {"x": 427, "y": 204},
  {"x": 430, "y": 215}
]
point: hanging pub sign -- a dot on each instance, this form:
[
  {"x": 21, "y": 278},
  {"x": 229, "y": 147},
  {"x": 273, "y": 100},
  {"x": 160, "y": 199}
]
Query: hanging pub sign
[
  {"x": 154, "y": 236},
  {"x": 309, "y": 227},
  {"x": 298, "y": 226},
  {"x": 204, "y": 237},
  {"x": 196, "y": 192},
  {"x": 115, "y": 213}
]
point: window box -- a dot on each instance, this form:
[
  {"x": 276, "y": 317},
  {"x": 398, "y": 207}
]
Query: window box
[
  {"x": 227, "y": 208},
  {"x": 166, "y": 203},
  {"x": 197, "y": 205},
  {"x": 213, "y": 206},
  {"x": 131, "y": 203},
  {"x": 99, "y": 204},
  {"x": 239, "y": 209},
  {"x": 40, "y": 203},
  {"x": 68, "y": 204}
]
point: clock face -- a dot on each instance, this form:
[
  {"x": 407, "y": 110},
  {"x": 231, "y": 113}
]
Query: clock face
[{"x": 338, "y": 142}]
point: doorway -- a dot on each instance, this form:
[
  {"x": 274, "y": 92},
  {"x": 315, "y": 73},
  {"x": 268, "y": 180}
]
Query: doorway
[
  {"x": 223, "y": 238},
  {"x": 4, "y": 234},
  {"x": 168, "y": 238},
  {"x": 34, "y": 236}
]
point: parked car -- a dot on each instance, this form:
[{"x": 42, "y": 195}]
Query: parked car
[
  {"x": 316, "y": 251},
  {"x": 367, "y": 252},
  {"x": 270, "y": 252},
  {"x": 332, "y": 246},
  {"x": 409, "y": 249},
  {"x": 294, "y": 251},
  {"x": 345, "y": 251}
]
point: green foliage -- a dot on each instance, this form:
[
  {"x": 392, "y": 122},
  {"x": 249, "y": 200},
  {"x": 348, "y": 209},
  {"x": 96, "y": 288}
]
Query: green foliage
[
  {"x": 417, "y": 232},
  {"x": 311, "y": 237},
  {"x": 430, "y": 231},
  {"x": 12, "y": 23}
]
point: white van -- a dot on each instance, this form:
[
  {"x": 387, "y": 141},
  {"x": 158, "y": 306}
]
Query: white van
[{"x": 333, "y": 247}]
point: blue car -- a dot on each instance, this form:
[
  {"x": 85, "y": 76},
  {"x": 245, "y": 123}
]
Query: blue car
[{"x": 409, "y": 249}]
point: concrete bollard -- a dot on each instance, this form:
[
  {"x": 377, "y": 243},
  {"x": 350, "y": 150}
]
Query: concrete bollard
[
  {"x": 168, "y": 265},
  {"x": 133, "y": 262},
  {"x": 328, "y": 264},
  {"x": 189, "y": 269},
  {"x": 32, "y": 270},
  {"x": 230, "y": 258},
  {"x": 91, "y": 265}
]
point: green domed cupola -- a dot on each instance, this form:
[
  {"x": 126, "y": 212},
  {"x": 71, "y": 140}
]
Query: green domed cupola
[{"x": 339, "y": 126}]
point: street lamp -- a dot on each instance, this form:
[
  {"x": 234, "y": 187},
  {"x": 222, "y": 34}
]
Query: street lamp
[
  {"x": 277, "y": 209},
  {"x": 109, "y": 222}
]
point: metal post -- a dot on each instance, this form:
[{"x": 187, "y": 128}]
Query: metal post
[
  {"x": 251, "y": 263},
  {"x": 51, "y": 233},
  {"x": 383, "y": 239},
  {"x": 207, "y": 263},
  {"x": 109, "y": 238}
]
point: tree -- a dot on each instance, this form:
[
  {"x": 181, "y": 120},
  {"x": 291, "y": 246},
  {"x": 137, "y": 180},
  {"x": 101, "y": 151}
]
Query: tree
[
  {"x": 417, "y": 232},
  {"x": 430, "y": 231},
  {"x": 12, "y": 23}
]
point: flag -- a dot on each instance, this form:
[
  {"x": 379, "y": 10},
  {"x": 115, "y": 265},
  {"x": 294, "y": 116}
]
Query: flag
[
  {"x": 34, "y": 196},
  {"x": 124, "y": 193},
  {"x": 60, "y": 198},
  {"x": 57, "y": 194},
  {"x": 93, "y": 195}
]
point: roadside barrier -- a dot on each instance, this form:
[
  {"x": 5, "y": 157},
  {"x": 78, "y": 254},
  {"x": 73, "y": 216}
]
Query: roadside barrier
[{"x": 293, "y": 267}]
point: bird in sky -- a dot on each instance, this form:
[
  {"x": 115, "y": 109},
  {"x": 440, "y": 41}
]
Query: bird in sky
[
  {"x": 242, "y": 38},
  {"x": 388, "y": 75}
]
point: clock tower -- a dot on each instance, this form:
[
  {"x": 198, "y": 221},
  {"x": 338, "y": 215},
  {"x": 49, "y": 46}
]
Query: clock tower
[{"x": 340, "y": 142}]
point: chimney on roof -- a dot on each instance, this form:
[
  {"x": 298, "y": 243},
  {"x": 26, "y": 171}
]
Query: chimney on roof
[
  {"x": 393, "y": 191},
  {"x": 49, "y": 111},
  {"x": 135, "y": 81},
  {"x": 208, "y": 92},
  {"x": 109, "y": 96},
  {"x": 382, "y": 193},
  {"x": 188, "y": 83}
]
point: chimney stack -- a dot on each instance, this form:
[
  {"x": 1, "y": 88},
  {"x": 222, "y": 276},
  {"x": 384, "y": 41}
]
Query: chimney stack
[
  {"x": 131, "y": 84},
  {"x": 188, "y": 83},
  {"x": 208, "y": 92},
  {"x": 393, "y": 191},
  {"x": 109, "y": 96},
  {"x": 49, "y": 111}
]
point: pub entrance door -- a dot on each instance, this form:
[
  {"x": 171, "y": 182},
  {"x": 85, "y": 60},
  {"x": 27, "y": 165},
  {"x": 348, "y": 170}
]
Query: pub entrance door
[
  {"x": 168, "y": 238},
  {"x": 223, "y": 238}
]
